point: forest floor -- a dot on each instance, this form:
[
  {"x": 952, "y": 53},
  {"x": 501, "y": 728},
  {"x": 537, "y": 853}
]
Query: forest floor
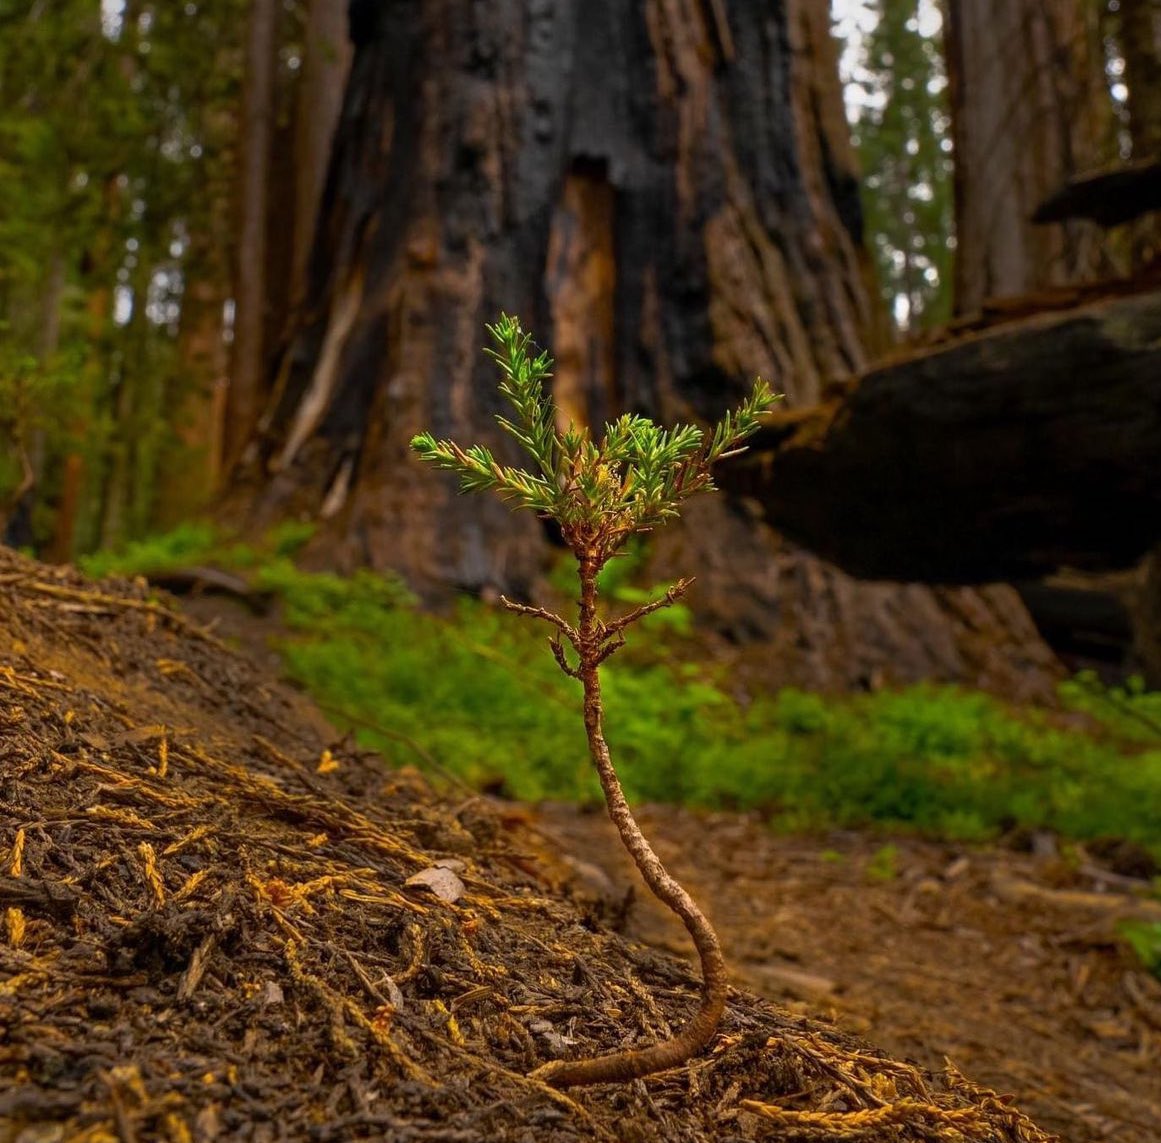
[
  {"x": 1004, "y": 963},
  {"x": 220, "y": 924}
]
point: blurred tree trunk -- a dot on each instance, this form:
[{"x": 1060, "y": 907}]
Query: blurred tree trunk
[
  {"x": 1030, "y": 108},
  {"x": 199, "y": 392},
  {"x": 1140, "y": 42},
  {"x": 29, "y": 442},
  {"x": 1137, "y": 26},
  {"x": 78, "y": 503},
  {"x": 200, "y": 382},
  {"x": 248, "y": 360},
  {"x": 326, "y": 62}
]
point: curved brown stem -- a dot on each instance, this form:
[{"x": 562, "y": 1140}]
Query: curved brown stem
[{"x": 619, "y": 1067}]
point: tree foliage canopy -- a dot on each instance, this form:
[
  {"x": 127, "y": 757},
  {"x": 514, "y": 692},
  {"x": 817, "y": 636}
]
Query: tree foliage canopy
[{"x": 116, "y": 129}]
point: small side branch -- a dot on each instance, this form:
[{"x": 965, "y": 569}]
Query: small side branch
[
  {"x": 667, "y": 600},
  {"x": 561, "y": 660},
  {"x": 566, "y": 629},
  {"x": 616, "y": 642}
]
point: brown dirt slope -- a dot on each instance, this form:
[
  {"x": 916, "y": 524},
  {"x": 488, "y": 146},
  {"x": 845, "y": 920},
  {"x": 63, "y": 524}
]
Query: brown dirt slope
[{"x": 208, "y": 933}]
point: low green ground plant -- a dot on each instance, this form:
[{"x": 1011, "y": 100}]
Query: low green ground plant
[
  {"x": 1129, "y": 710},
  {"x": 477, "y": 695},
  {"x": 1144, "y": 938},
  {"x": 198, "y": 542},
  {"x": 883, "y": 865},
  {"x": 474, "y": 697}
]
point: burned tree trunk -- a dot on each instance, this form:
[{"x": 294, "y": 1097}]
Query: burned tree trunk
[
  {"x": 664, "y": 192},
  {"x": 648, "y": 186}
]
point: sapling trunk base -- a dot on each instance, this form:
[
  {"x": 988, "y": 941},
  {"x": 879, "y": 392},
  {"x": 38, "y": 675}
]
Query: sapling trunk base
[
  {"x": 600, "y": 495},
  {"x": 619, "y": 1067}
]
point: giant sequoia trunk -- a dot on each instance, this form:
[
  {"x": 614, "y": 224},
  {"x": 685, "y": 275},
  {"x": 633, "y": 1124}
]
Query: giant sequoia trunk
[
  {"x": 638, "y": 182},
  {"x": 665, "y": 193}
]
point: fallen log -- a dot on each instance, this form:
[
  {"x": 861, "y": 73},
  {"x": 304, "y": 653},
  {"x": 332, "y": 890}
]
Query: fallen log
[
  {"x": 1003, "y": 456},
  {"x": 1091, "y": 621},
  {"x": 1110, "y": 198}
]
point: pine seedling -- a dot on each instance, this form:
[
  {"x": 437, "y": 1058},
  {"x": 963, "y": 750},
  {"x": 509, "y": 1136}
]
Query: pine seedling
[{"x": 601, "y": 493}]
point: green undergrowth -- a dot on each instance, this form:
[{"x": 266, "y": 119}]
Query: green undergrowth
[
  {"x": 1144, "y": 938},
  {"x": 196, "y": 543},
  {"x": 476, "y": 694}
]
